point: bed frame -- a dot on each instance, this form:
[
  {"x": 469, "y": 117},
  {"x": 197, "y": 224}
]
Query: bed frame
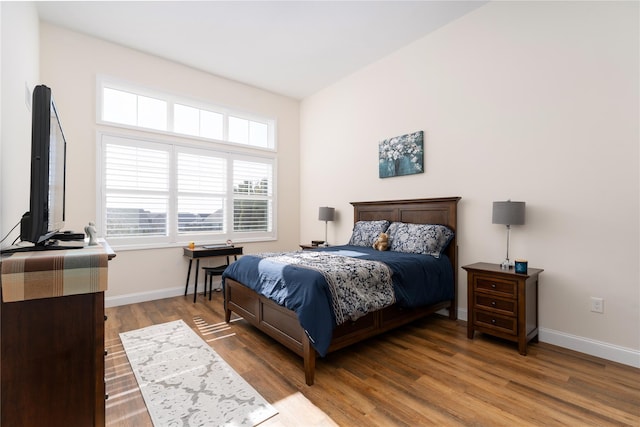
[{"x": 282, "y": 324}]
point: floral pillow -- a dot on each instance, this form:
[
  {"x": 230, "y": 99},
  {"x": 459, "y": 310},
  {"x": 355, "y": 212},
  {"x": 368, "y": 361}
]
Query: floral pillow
[
  {"x": 428, "y": 239},
  {"x": 366, "y": 232}
]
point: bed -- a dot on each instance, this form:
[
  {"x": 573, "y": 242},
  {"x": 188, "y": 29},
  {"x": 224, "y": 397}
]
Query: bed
[{"x": 284, "y": 324}]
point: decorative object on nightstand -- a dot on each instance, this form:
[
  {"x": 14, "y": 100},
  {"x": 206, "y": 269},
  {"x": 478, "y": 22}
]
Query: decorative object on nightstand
[
  {"x": 521, "y": 266},
  {"x": 502, "y": 303},
  {"x": 326, "y": 214},
  {"x": 508, "y": 213}
]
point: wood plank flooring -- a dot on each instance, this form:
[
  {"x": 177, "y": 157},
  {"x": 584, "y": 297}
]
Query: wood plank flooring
[{"x": 427, "y": 373}]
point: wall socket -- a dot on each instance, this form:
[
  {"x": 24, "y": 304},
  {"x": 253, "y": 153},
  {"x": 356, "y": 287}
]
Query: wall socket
[{"x": 597, "y": 305}]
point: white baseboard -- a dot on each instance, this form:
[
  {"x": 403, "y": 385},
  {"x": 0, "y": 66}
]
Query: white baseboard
[
  {"x": 143, "y": 296},
  {"x": 615, "y": 353}
]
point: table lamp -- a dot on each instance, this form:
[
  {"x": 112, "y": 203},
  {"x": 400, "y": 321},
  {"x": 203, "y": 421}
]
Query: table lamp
[
  {"x": 508, "y": 213},
  {"x": 326, "y": 214}
]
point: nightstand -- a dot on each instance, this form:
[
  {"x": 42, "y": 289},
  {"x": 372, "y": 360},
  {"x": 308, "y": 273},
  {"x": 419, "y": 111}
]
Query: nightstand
[
  {"x": 308, "y": 247},
  {"x": 502, "y": 303}
]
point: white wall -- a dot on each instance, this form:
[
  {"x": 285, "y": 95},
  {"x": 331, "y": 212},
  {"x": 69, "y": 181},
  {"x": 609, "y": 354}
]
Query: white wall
[
  {"x": 532, "y": 101},
  {"x": 19, "y": 65},
  {"x": 70, "y": 63},
  {"x": 529, "y": 101}
]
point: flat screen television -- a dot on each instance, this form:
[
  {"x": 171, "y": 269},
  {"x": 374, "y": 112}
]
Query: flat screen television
[{"x": 48, "y": 166}]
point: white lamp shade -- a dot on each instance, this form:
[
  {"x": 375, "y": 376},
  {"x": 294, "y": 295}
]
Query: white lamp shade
[
  {"x": 326, "y": 213},
  {"x": 508, "y": 213}
]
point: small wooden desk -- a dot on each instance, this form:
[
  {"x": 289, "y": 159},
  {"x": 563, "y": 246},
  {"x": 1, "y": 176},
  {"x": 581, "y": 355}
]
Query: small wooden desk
[{"x": 206, "y": 252}]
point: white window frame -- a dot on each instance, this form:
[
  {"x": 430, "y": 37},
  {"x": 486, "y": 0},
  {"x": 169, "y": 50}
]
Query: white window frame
[
  {"x": 171, "y": 99},
  {"x": 174, "y": 238}
]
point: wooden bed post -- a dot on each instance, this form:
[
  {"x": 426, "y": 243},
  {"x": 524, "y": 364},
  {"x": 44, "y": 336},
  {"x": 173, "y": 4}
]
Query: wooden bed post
[
  {"x": 453, "y": 309},
  {"x": 309, "y": 356},
  {"x": 227, "y": 310}
]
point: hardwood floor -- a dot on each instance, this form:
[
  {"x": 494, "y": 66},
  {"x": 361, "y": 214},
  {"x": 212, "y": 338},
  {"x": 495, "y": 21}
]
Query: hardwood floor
[{"x": 427, "y": 373}]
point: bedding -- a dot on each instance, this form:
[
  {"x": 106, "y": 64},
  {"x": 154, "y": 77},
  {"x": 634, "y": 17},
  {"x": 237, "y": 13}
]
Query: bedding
[{"x": 301, "y": 282}]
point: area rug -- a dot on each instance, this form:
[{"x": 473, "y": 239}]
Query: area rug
[{"x": 184, "y": 382}]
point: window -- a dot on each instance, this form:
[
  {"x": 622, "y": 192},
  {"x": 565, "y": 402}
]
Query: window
[
  {"x": 208, "y": 178},
  {"x": 158, "y": 192},
  {"x": 252, "y": 194},
  {"x": 193, "y": 121},
  {"x": 134, "y": 110},
  {"x": 136, "y": 180},
  {"x": 129, "y": 106}
]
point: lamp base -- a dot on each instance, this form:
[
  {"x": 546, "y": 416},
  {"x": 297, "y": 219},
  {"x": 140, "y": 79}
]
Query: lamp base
[{"x": 506, "y": 264}]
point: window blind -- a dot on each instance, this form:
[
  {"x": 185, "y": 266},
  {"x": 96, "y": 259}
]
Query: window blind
[
  {"x": 137, "y": 190},
  {"x": 164, "y": 192}
]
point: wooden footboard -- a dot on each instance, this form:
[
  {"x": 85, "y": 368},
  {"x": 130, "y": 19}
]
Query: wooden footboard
[
  {"x": 274, "y": 320},
  {"x": 282, "y": 324}
]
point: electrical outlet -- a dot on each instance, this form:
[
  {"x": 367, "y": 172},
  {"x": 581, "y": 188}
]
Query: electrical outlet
[{"x": 597, "y": 305}]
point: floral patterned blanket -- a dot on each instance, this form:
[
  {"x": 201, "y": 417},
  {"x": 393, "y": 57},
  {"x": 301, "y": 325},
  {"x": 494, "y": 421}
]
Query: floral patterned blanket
[
  {"x": 316, "y": 285},
  {"x": 357, "y": 286}
]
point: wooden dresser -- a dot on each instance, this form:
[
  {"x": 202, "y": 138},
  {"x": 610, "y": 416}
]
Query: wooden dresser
[
  {"x": 502, "y": 303},
  {"x": 52, "y": 348}
]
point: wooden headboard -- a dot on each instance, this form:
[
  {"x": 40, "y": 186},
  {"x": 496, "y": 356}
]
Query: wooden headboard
[{"x": 442, "y": 210}]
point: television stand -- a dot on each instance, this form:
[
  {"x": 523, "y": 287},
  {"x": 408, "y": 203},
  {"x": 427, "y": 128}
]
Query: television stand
[{"x": 52, "y": 347}]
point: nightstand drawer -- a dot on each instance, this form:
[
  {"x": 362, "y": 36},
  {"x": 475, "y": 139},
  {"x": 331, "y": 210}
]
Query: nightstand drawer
[
  {"x": 494, "y": 321},
  {"x": 507, "y": 307},
  {"x": 496, "y": 286}
]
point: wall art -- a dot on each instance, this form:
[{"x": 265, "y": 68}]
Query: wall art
[{"x": 402, "y": 155}]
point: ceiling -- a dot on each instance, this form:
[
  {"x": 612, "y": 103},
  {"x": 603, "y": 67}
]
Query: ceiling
[{"x": 294, "y": 48}]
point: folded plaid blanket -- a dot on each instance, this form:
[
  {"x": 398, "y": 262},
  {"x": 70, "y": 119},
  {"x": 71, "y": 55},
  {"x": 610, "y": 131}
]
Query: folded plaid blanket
[{"x": 46, "y": 274}]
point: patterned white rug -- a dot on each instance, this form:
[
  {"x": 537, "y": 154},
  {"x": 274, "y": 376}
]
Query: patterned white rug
[{"x": 185, "y": 383}]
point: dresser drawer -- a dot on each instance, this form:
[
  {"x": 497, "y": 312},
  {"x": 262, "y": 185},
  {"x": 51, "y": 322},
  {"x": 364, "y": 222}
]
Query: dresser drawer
[
  {"x": 496, "y": 286},
  {"x": 495, "y": 321},
  {"x": 507, "y": 307}
]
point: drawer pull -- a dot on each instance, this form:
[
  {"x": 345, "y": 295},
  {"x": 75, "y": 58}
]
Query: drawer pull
[
  {"x": 493, "y": 320},
  {"x": 493, "y": 285},
  {"x": 493, "y": 303}
]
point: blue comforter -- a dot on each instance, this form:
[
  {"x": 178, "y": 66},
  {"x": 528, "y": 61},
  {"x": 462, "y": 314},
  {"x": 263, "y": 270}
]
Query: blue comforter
[{"x": 417, "y": 280}]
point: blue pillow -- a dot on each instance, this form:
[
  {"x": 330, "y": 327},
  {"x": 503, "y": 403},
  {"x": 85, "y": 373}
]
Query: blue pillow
[
  {"x": 428, "y": 239},
  {"x": 366, "y": 232}
]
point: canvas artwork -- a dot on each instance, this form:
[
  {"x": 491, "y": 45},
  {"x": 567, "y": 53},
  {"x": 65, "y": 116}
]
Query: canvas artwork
[{"x": 401, "y": 155}]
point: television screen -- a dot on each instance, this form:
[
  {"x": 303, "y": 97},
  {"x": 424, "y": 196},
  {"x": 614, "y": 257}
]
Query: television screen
[
  {"x": 48, "y": 163},
  {"x": 57, "y": 163}
]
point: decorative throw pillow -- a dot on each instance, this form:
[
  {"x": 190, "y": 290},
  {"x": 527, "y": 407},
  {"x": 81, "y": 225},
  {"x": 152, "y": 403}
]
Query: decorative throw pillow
[
  {"x": 366, "y": 232},
  {"x": 428, "y": 239}
]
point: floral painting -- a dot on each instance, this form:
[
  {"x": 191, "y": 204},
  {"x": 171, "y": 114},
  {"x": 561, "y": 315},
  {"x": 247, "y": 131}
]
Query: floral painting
[{"x": 402, "y": 155}]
